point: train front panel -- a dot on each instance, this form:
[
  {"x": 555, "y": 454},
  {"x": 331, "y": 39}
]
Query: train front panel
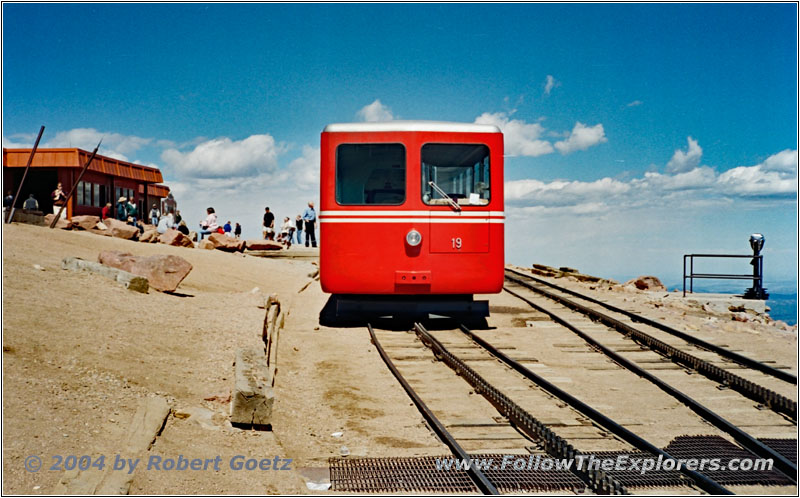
[{"x": 411, "y": 208}]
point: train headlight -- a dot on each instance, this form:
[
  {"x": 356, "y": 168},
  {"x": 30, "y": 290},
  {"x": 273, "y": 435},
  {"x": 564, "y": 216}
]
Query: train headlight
[{"x": 413, "y": 238}]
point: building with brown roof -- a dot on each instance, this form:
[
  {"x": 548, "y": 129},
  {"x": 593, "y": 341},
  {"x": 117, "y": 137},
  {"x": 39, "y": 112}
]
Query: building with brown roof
[{"x": 106, "y": 180}]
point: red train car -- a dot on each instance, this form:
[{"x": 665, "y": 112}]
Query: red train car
[{"x": 411, "y": 216}]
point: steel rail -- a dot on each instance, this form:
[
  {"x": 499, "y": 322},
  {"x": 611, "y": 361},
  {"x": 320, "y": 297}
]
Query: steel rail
[
  {"x": 702, "y": 481},
  {"x": 775, "y": 401},
  {"x": 783, "y": 464},
  {"x": 597, "y": 480},
  {"x": 478, "y": 477},
  {"x": 726, "y": 353}
]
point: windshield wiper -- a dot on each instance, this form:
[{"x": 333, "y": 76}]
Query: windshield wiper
[{"x": 441, "y": 192}]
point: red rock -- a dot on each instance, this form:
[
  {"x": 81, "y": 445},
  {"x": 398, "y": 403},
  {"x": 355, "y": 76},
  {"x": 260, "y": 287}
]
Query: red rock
[
  {"x": 225, "y": 243},
  {"x": 163, "y": 272},
  {"x": 85, "y": 222},
  {"x": 206, "y": 244},
  {"x": 173, "y": 237},
  {"x": 149, "y": 236},
  {"x": 647, "y": 282},
  {"x": 62, "y": 223},
  {"x": 263, "y": 245},
  {"x": 121, "y": 229}
]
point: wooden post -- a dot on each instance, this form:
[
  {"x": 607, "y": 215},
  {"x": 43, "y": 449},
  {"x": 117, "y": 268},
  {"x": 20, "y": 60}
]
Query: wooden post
[
  {"x": 24, "y": 175},
  {"x": 75, "y": 184}
]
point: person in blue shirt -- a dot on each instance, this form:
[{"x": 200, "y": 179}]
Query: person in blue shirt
[
  {"x": 227, "y": 228},
  {"x": 310, "y": 218}
]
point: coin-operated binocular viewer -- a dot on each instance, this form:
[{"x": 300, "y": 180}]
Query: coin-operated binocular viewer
[{"x": 757, "y": 291}]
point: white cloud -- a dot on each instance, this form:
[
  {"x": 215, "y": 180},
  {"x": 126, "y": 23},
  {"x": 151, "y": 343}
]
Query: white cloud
[
  {"x": 684, "y": 161},
  {"x": 521, "y": 138},
  {"x": 755, "y": 181},
  {"x": 581, "y": 138},
  {"x": 226, "y": 158},
  {"x": 549, "y": 83},
  {"x": 563, "y": 193},
  {"x": 784, "y": 161},
  {"x": 375, "y": 112},
  {"x": 114, "y": 145},
  {"x": 635, "y": 103},
  {"x": 304, "y": 171}
]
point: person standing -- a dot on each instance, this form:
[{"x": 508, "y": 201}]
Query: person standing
[
  {"x": 310, "y": 218},
  {"x": 155, "y": 214},
  {"x": 8, "y": 200},
  {"x": 227, "y": 228},
  {"x": 59, "y": 199},
  {"x": 237, "y": 231},
  {"x": 299, "y": 223},
  {"x": 122, "y": 209},
  {"x": 268, "y": 226},
  {"x": 106, "y": 212},
  {"x": 132, "y": 212}
]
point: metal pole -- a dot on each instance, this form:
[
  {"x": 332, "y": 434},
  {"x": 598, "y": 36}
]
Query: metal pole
[
  {"x": 24, "y": 175},
  {"x": 77, "y": 181}
]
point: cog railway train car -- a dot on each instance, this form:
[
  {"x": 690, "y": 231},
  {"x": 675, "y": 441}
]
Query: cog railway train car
[{"x": 411, "y": 218}]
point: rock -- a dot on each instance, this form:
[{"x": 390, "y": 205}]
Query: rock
[
  {"x": 225, "y": 243},
  {"x": 206, "y": 244},
  {"x": 646, "y": 282},
  {"x": 149, "y": 236},
  {"x": 162, "y": 272},
  {"x": 262, "y": 245},
  {"x": 85, "y": 222},
  {"x": 173, "y": 237},
  {"x": 121, "y": 229},
  {"x": 129, "y": 280},
  {"x": 193, "y": 236},
  {"x": 61, "y": 223}
]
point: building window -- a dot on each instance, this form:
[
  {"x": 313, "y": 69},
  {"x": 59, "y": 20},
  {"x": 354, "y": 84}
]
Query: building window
[
  {"x": 80, "y": 194},
  {"x": 96, "y": 194}
]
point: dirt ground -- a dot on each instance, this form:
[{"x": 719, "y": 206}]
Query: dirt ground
[{"x": 79, "y": 351}]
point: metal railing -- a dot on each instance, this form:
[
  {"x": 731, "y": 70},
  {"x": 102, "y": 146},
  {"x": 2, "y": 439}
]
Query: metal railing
[{"x": 757, "y": 276}]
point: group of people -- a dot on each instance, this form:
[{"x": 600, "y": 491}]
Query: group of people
[
  {"x": 210, "y": 225},
  {"x": 58, "y": 197},
  {"x": 291, "y": 230}
]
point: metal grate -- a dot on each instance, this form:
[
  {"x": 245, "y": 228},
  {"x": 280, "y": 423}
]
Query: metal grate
[
  {"x": 718, "y": 447},
  {"x": 786, "y": 447},
  {"x": 419, "y": 474}
]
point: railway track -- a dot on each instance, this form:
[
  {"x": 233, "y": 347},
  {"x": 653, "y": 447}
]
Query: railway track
[
  {"x": 538, "y": 418},
  {"x": 652, "y": 349}
]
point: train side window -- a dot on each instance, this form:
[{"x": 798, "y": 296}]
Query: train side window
[
  {"x": 459, "y": 170},
  {"x": 370, "y": 174}
]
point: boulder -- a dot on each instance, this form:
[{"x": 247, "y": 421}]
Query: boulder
[
  {"x": 646, "y": 282},
  {"x": 61, "y": 223},
  {"x": 149, "y": 236},
  {"x": 163, "y": 272},
  {"x": 173, "y": 237},
  {"x": 85, "y": 222},
  {"x": 121, "y": 229},
  {"x": 225, "y": 243},
  {"x": 263, "y": 245},
  {"x": 206, "y": 244}
]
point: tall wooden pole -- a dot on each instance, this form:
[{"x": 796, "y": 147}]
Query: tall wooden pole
[
  {"x": 77, "y": 181},
  {"x": 24, "y": 175}
]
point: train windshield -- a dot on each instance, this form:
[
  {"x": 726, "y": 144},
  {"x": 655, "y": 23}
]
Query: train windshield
[
  {"x": 370, "y": 174},
  {"x": 461, "y": 171}
]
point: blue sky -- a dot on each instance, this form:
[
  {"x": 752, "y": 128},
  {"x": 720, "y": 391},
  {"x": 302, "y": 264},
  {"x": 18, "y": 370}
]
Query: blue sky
[{"x": 634, "y": 133}]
